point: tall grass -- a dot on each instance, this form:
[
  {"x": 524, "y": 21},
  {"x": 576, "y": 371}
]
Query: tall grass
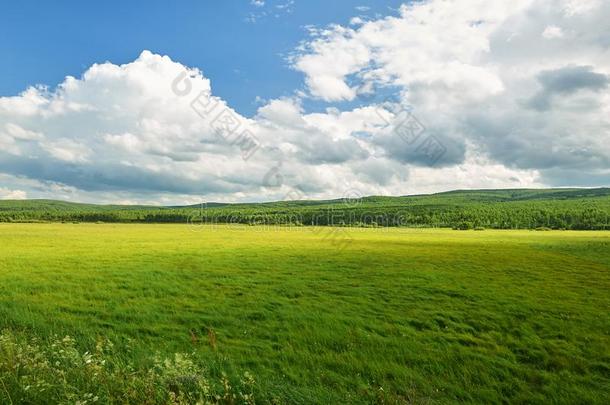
[
  {"x": 317, "y": 315},
  {"x": 49, "y": 371}
]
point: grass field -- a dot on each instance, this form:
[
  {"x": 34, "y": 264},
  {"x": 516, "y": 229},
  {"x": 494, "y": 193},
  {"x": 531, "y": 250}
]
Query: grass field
[{"x": 324, "y": 315}]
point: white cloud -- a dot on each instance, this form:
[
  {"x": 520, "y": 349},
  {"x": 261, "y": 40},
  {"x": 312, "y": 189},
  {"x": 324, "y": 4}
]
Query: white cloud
[
  {"x": 6, "y": 194},
  {"x": 67, "y": 150},
  {"x": 356, "y": 21},
  {"x": 264, "y": 10},
  {"x": 475, "y": 73},
  {"x": 504, "y": 108},
  {"x": 552, "y": 32},
  {"x": 432, "y": 43},
  {"x": 16, "y": 132},
  {"x": 576, "y": 7}
]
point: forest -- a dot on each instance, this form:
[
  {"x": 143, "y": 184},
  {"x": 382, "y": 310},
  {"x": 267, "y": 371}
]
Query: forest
[{"x": 574, "y": 209}]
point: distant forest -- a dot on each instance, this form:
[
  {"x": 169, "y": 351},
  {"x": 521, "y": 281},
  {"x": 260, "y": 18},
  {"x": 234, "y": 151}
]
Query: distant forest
[{"x": 578, "y": 209}]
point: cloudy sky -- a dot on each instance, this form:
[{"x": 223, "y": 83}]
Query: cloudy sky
[{"x": 270, "y": 100}]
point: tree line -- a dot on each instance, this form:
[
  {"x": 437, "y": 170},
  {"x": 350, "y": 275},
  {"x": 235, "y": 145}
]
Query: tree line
[{"x": 581, "y": 214}]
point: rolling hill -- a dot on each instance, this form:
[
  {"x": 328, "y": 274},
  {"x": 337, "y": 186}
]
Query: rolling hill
[{"x": 464, "y": 209}]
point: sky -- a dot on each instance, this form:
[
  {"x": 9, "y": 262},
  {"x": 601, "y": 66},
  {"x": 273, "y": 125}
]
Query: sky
[{"x": 162, "y": 102}]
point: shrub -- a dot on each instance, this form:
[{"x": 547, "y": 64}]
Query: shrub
[
  {"x": 463, "y": 226},
  {"x": 55, "y": 371}
]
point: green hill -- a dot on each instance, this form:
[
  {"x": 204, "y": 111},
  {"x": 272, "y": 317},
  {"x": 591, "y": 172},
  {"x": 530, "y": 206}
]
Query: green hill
[{"x": 463, "y": 209}]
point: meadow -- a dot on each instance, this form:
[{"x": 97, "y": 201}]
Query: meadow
[{"x": 302, "y": 314}]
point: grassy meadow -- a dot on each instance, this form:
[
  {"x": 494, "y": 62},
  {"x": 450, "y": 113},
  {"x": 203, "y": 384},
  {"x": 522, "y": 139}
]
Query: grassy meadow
[{"x": 312, "y": 314}]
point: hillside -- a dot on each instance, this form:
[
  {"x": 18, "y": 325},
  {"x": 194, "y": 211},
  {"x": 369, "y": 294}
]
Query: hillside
[{"x": 500, "y": 209}]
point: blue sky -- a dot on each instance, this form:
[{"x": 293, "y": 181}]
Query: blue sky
[
  {"x": 334, "y": 98},
  {"x": 241, "y": 47}
]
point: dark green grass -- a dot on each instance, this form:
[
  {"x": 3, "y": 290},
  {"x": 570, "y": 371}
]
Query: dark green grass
[{"x": 327, "y": 315}]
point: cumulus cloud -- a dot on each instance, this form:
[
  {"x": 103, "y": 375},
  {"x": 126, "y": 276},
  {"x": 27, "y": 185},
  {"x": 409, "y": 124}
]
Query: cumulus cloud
[
  {"x": 153, "y": 126},
  {"x": 483, "y": 95},
  {"x": 566, "y": 81},
  {"x": 483, "y": 75},
  {"x": 552, "y": 32},
  {"x": 117, "y": 128},
  {"x": 7, "y": 194}
]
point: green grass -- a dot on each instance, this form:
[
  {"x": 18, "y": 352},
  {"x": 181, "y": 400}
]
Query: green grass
[{"x": 327, "y": 315}]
